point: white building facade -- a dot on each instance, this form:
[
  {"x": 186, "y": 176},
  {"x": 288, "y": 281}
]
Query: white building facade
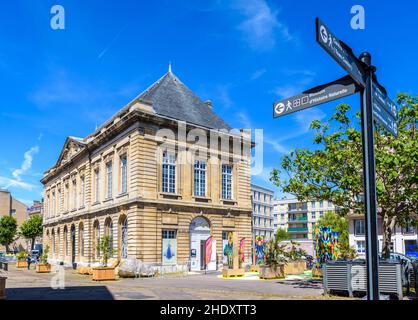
[
  {"x": 404, "y": 240},
  {"x": 263, "y": 205}
]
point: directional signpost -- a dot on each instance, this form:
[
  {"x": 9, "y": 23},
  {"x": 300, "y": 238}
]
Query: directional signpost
[
  {"x": 375, "y": 105},
  {"x": 310, "y": 98}
]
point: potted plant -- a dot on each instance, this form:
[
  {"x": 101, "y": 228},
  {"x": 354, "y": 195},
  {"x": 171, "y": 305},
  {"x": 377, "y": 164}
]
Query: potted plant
[
  {"x": 104, "y": 273},
  {"x": 21, "y": 259},
  {"x": 43, "y": 266},
  {"x": 296, "y": 263},
  {"x": 275, "y": 261}
]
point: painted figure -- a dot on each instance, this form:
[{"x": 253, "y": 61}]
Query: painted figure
[
  {"x": 229, "y": 251},
  {"x": 259, "y": 249}
]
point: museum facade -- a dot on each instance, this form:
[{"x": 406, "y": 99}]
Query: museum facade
[{"x": 159, "y": 178}]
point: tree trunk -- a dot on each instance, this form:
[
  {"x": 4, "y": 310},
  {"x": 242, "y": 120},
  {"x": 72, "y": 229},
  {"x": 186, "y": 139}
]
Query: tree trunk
[
  {"x": 388, "y": 224},
  {"x": 33, "y": 243},
  {"x": 7, "y": 248}
]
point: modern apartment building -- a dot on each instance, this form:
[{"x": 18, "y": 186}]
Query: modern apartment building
[
  {"x": 404, "y": 240},
  {"x": 263, "y": 206},
  {"x": 298, "y": 217},
  {"x": 36, "y": 209},
  {"x": 9, "y": 206},
  {"x": 156, "y": 194}
]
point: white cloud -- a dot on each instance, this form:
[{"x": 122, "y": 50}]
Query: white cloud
[
  {"x": 260, "y": 24},
  {"x": 27, "y": 163},
  {"x": 258, "y": 73},
  {"x": 6, "y": 183},
  {"x": 288, "y": 91}
]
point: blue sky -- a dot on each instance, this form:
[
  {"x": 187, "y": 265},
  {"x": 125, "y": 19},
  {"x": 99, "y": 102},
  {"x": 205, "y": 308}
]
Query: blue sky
[{"x": 243, "y": 55}]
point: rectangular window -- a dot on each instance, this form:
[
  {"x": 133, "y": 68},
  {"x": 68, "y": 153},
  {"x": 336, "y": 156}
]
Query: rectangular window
[
  {"x": 226, "y": 181},
  {"x": 321, "y": 204},
  {"x": 361, "y": 246},
  {"x": 53, "y": 204},
  {"x": 82, "y": 191},
  {"x": 124, "y": 173},
  {"x": 329, "y": 203},
  {"x": 97, "y": 184},
  {"x": 109, "y": 179},
  {"x": 199, "y": 178},
  {"x": 66, "y": 197},
  {"x": 321, "y": 214},
  {"x": 169, "y": 172},
  {"x": 74, "y": 194},
  {"x": 313, "y": 204},
  {"x": 169, "y": 234},
  {"x": 359, "y": 228}
]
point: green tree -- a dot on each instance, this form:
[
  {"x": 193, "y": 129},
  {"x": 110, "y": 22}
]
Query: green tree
[
  {"x": 282, "y": 235},
  {"x": 32, "y": 228},
  {"x": 8, "y": 231},
  {"x": 333, "y": 171}
]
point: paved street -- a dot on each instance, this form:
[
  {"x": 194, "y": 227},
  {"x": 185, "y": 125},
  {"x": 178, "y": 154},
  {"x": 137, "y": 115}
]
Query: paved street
[{"x": 25, "y": 284}]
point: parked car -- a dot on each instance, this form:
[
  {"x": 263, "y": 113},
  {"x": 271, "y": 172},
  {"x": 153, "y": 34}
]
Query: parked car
[
  {"x": 34, "y": 256},
  {"x": 407, "y": 267}
]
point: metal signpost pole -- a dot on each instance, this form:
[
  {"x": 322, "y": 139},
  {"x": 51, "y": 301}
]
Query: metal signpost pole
[{"x": 369, "y": 181}]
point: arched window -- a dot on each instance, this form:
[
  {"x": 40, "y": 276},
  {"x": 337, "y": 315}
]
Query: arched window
[
  {"x": 66, "y": 240},
  {"x": 81, "y": 239},
  {"x": 109, "y": 232},
  {"x": 54, "y": 249},
  {"x": 96, "y": 239},
  {"x": 58, "y": 242},
  {"x": 123, "y": 224}
]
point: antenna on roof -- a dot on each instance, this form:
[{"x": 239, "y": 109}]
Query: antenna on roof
[{"x": 169, "y": 66}]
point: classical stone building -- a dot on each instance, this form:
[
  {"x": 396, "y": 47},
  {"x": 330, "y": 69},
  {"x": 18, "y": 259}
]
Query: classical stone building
[{"x": 145, "y": 179}]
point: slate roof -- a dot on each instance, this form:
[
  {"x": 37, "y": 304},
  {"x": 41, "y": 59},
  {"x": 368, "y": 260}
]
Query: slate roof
[{"x": 171, "y": 98}]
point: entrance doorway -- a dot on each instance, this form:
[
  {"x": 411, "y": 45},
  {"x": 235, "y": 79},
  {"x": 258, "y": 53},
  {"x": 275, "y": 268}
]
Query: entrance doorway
[
  {"x": 73, "y": 247},
  {"x": 199, "y": 233}
]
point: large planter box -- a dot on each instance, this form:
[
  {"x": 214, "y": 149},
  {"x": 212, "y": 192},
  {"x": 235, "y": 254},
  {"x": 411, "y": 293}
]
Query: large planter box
[
  {"x": 21, "y": 264},
  {"x": 267, "y": 272},
  {"x": 295, "y": 267},
  {"x": 43, "y": 268},
  {"x": 318, "y": 273},
  {"x": 227, "y": 273},
  {"x": 2, "y": 287},
  {"x": 103, "y": 274},
  {"x": 84, "y": 270}
]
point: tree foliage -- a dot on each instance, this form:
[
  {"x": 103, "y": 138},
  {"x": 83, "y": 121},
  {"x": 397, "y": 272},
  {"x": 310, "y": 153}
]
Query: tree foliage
[
  {"x": 333, "y": 171},
  {"x": 282, "y": 235},
  {"x": 32, "y": 228},
  {"x": 8, "y": 231}
]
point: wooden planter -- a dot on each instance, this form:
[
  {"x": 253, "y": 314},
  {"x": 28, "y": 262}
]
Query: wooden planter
[
  {"x": 267, "y": 272},
  {"x": 228, "y": 273},
  {"x": 21, "y": 264},
  {"x": 317, "y": 273},
  {"x": 84, "y": 270},
  {"x": 104, "y": 274},
  {"x": 43, "y": 268},
  {"x": 2, "y": 287},
  {"x": 295, "y": 267}
]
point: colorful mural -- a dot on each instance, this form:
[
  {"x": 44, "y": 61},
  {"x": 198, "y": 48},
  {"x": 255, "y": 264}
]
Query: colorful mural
[
  {"x": 229, "y": 251},
  {"x": 326, "y": 246},
  {"x": 241, "y": 251},
  {"x": 169, "y": 251},
  {"x": 259, "y": 249}
]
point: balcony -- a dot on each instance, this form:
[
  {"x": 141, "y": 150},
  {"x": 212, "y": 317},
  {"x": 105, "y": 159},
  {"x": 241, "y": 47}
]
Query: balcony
[
  {"x": 298, "y": 229},
  {"x": 298, "y": 219},
  {"x": 297, "y": 209}
]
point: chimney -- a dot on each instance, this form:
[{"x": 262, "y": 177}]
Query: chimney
[{"x": 208, "y": 103}]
